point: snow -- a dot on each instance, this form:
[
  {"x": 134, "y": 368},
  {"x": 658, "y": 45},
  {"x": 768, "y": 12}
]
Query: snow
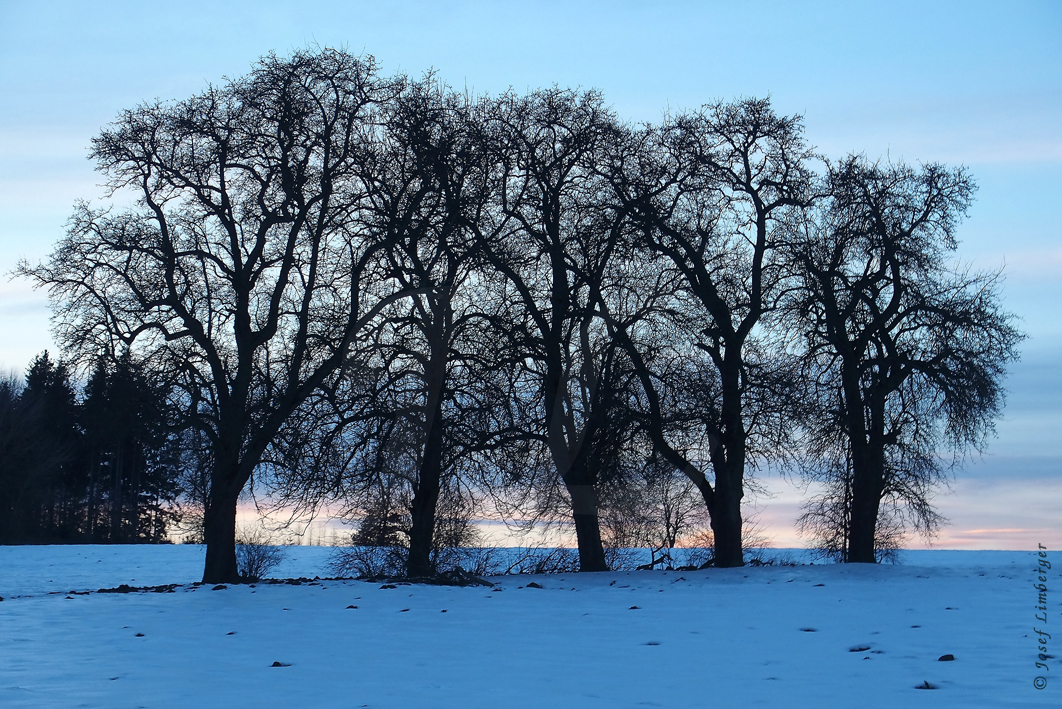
[{"x": 756, "y": 636}]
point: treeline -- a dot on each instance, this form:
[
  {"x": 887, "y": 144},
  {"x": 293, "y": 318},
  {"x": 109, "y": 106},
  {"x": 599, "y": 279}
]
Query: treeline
[
  {"x": 384, "y": 295},
  {"x": 91, "y": 466}
]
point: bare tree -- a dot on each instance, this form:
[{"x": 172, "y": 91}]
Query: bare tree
[
  {"x": 414, "y": 413},
  {"x": 559, "y": 257},
  {"x": 710, "y": 192},
  {"x": 434, "y": 340},
  {"x": 907, "y": 351},
  {"x": 248, "y": 267},
  {"x": 657, "y": 509}
]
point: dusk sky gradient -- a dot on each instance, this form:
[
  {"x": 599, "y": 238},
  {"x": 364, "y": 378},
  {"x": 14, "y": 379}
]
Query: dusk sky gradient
[{"x": 964, "y": 83}]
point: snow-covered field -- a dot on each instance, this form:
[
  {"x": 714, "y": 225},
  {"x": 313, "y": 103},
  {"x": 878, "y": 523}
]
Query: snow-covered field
[{"x": 803, "y": 636}]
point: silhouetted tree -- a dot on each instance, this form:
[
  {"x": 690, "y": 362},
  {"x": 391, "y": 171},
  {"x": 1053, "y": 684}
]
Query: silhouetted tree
[
  {"x": 40, "y": 441},
  {"x": 409, "y": 417},
  {"x": 101, "y": 470},
  {"x": 433, "y": 335},
  {"x": 13, "y": 425},
  {"x": 380, "y": 290},
  {"x": 557, "y": 257},
  {"x": 22, "y": 468},
  {"x": 908, "y": 350},
  {"x": 710, "y": 192},
  {"x": 131, "y": 456},
  {"x": 247, "y": 269}
]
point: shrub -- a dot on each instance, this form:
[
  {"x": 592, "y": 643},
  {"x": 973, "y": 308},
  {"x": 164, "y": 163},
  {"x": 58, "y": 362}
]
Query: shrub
[
  {"x": 255, "y": 557},
  {"x": 368, "y": 562}
]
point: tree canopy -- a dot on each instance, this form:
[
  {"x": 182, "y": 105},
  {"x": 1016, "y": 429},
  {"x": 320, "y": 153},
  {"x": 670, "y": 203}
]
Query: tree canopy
[{"x": 377, "y": 289}]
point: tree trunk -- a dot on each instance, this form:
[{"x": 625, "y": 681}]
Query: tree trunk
[
  {"x": 219, "y": 532},
  {"x": 94, "y": 469},
  {"x": 134, "y": 494},
  {"x": 728, "y": 461},
  {"x": 587, "y": 527},
  {"x": 725, "y": 514},
  {"x": 422, "y": 532},
  {"x": 591, "y": 550},
  {"x": 867, "y": 477},
  {"x": 116, "y": 493},
  {"x": 868, "y": 464},
  {"x": 426, "y": 494}
]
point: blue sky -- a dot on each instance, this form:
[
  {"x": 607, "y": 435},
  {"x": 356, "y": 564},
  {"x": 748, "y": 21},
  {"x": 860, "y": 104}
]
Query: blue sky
[{"x": 972, "y": 83}]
